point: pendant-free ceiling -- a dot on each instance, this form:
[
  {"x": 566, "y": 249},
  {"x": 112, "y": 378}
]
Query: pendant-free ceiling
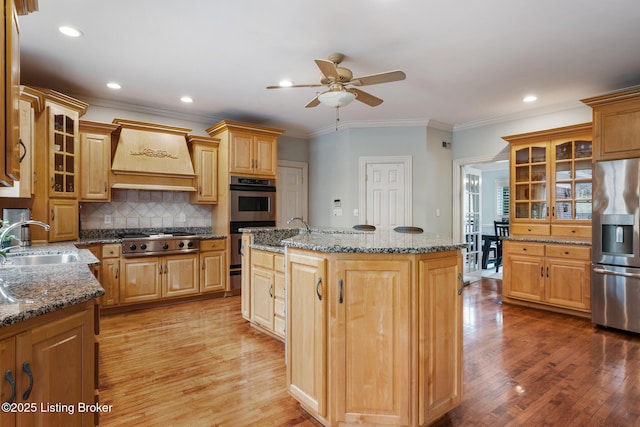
[{"x": 339, "y": 81}]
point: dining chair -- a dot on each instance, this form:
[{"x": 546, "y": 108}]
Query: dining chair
[{"x": 502, "y": 230}]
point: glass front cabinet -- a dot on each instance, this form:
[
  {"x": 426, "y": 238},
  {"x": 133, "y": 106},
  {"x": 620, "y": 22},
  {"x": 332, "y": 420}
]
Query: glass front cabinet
[{"x": 550, "y": 180}]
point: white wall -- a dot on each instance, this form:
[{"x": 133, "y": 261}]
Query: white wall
[
  {"x": 485, "y": 140},
  {"x": 333, "y": 173}
]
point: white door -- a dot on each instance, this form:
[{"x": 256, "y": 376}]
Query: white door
[
  {"x": 387, "y": 192},
  {"x": 472, "y": 221},
  {"x": 291, "y": 192}
]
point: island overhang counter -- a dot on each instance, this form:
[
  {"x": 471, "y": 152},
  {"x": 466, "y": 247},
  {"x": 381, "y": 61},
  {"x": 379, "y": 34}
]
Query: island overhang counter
[{"x": 374, "y": 326}]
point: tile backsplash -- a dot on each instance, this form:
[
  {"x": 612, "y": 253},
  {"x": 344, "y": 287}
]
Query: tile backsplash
[{"x": 144, "y": 209}]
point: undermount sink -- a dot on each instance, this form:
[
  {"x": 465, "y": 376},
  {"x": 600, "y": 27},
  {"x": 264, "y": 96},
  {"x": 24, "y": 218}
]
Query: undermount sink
[{"x": 42, "y": 259}]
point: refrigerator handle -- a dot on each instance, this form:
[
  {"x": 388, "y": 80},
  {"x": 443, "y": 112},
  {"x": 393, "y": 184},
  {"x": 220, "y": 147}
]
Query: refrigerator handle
[{"x": 615, "y": 273}]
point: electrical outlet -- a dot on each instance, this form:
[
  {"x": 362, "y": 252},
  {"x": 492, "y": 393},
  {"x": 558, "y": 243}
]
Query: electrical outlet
[{"x": 107, "y": 219}]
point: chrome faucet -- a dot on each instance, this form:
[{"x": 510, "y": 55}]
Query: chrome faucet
[
  {"x": 19, "y": 224},
  {"x": 297, "y": 218}
]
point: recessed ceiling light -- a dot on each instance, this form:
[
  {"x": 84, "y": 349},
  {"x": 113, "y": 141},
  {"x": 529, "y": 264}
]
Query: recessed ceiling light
[
  {"x": 186, "y": 99},
  {"x": 286, "y": 83},
  {"x": 70, "y": 31},
  {"x": 529, "y": 98},
  {"x": 113, "y": 85}
]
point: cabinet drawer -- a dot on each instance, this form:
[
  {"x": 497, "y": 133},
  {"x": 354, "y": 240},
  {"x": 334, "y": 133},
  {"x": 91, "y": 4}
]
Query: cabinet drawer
[
  {"x": 571, "y": 230},
  {"x": 111, "y": 250},
  {"x": 569, "y": 251},
  {"x": 524, "y": 248},
  {"x": 213, "y": 244},
  {"x": 530, "y": 229},
  {"x": 279, "y": 263},
  {"x": 262, "y": 259}
]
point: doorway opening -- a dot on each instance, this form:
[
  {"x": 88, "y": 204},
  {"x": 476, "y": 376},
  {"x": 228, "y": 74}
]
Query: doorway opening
[{"x": 479, "y": 200}]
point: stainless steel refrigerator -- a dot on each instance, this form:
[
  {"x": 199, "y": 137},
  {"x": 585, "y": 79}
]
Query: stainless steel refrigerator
[{"x": 615, "y": 277}]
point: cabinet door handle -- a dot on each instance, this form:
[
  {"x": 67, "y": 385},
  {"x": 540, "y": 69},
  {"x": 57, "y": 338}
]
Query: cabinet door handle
[
  {"x": 105, "y": 186},
  {"x": 317, "y": 288},
  {"x": 25, "y": 150},
  {"x": 340, "y": 286},
  {"x": 541, "y": 271},
  {"x": 53, "y": 214},
  {"x": 461, "y": 280},
  {"x": 203, "y": 264},
  {"x": 159, "y": 268},
  {"x": 270, "y": 290},
  {"x": 9, "y": 377},
  {"x": 27, "y": 369},
  {"x": 116, "y": 271},
  {"x": 36, "y": 177},
  {"x": 547, "y": 271}
]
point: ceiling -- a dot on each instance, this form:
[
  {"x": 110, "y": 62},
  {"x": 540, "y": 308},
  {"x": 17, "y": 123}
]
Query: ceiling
[{"x": 467, "y": 62}]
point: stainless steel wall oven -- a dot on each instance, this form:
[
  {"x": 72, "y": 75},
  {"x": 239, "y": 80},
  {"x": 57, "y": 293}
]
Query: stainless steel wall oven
[
  {"x": 615, "y": 277},
  {"x": 252, "y": 199},
  {"x": 252, "y": 204}
]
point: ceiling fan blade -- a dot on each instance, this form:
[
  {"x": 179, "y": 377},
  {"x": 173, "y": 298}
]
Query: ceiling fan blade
[
  {"x": 313, "y": 103},
  {"x": 374, "y": 79},
  {"x": 367, "y": 98},
  {"x": 294, "y": 86},
  {"x": 327, "y": 68}
]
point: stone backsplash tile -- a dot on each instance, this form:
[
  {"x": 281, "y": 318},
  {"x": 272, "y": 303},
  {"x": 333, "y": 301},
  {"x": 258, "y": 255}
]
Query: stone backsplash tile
[{"x": 145, "y": 209}]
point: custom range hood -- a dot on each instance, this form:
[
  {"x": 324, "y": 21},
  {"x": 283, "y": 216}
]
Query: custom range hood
[{"x": 149, "y": 156}]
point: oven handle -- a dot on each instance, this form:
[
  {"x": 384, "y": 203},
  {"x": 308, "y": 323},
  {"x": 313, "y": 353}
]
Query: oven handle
[{"x": 615, "y": 273}]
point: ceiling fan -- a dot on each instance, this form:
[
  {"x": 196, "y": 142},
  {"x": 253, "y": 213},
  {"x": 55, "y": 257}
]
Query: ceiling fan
[{"x": 339, "y": 81}]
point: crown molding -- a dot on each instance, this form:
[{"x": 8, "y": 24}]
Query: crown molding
[
  {"x": 555, "y": 108},
  {"x": 359, "y": 124}
]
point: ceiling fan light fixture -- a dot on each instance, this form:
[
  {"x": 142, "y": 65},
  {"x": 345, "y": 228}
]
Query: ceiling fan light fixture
[{"x": 336, "y": 99}]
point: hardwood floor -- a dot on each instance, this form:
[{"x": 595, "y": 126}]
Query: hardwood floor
[{"x": 201, "y": 364}]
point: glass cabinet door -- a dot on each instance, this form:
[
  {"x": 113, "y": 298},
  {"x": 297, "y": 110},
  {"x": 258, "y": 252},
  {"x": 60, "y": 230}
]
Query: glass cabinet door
[
  {"x": 572, "y": 179},
  {"x": 529, "y": 168},
  {"x": 63, "y": 132}
]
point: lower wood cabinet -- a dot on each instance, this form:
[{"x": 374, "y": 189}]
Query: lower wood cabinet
[
  {"x": 374, "y": 339},
  {"x": 49, "y": 360},
  {"x": 213, "y": 265},
  {"x": 267, "y": 291},
  {"x": 110, "y": 259},
  {"x": 151, "y": 278},
  {"x": 555, "y": 276}
]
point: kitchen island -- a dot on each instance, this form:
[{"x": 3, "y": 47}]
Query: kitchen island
[
  {"x": 48, "y": 349},
  {"x": 374, "y": 326}
]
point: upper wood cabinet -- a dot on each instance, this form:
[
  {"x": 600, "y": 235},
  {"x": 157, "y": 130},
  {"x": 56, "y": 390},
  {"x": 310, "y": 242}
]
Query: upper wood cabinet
[
  {"x": 31, "y": 103},
  {"x": 551, "y": 182},
  {"x": 204, "y": 156},
  {"x": 57, "y": 160},
  {"x": 10, "y": 132},
  {"x": 616, "y": 124},
  {"x": 95, "y": 160},
  {"x": 252, "y": 149}
]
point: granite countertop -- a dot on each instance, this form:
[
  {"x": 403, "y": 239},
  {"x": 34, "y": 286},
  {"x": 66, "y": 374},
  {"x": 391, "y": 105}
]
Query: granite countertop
[
  {"x": 45, "y": 288},
  {"x": 379, "y": 241},
  {"x": 547, "y": 239}
]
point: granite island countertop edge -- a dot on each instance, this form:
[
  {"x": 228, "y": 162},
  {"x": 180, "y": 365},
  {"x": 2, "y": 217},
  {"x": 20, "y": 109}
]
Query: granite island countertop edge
[{"x": 50, "y": 287}]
